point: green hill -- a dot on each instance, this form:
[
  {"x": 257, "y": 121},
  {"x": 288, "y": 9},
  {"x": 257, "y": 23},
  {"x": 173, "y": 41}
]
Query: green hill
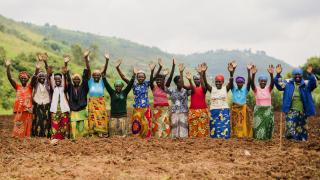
[{"x": 21, "y": 41}]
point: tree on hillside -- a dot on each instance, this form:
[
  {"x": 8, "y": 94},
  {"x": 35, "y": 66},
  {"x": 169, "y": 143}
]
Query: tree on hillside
[{"x": 76, "y": 51}]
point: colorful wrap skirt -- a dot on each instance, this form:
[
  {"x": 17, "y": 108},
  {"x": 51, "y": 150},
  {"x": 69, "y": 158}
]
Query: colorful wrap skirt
[
  {"x": 60, "y": 125},
  {"x": 161, "y": 122},
  {"x": 220, "y": 123},
  {"x": 141, "y": 122},
  {"x": 22, "y": 123},
  {"x": 41, "y": 125},
  {"x": 79, "y": 124},
  {"x": 118, "y": 126},
  {"x": 198, "y": 121},
  {"x": 179, "y": 125},
  {"x": 97, "y": 115},
  {"x": 296, "y": 125},
  {"x": 240, "y": 124},
  {"x": 263, "y": 122}
]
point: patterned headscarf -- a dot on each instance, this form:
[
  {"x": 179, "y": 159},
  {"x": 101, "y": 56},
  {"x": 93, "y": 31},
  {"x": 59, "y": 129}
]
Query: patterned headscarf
[
  {"x": 219, "y": 77},
  {"x": 96, "y": 71},
  {"x": 262, "y": 77},
  {"x": 24, "y": 74},
  {"x": 76, "y": 75},
  {"x": 118, "y": 82}
]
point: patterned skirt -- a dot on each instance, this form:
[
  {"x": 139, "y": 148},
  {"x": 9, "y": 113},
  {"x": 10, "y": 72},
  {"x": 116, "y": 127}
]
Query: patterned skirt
[
  {"x": 22, "y": 123},
  {"x": 198, "y": 121},
  {"x": 263, "y": 122},
  {"x": 179, "y": 125},
  {"x": 296, "y": 125},
  {"x": 220, "y": 123},
  {"x": 41, "y": 125},
  {"x": 97, "y": 115},
  {"x": 79, "y": 124},
  {"x": 60, "y": 125},
  {"x": 161, "y": 122},
  {"x": 141, "y": 122},
  {"x": 240, "y": 124},
  {"x": 118, "y": 126}
]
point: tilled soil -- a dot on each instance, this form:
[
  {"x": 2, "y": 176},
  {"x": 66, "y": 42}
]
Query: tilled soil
[{"x": 124, "y": 158}]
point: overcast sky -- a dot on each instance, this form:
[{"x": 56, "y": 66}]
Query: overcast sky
[{"x": 285, "y": 29}]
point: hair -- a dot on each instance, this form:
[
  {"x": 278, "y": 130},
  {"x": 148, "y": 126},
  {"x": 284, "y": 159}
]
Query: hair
[
  {"x": 176, "y": 79},
  {"x": 58, "y": 74}
]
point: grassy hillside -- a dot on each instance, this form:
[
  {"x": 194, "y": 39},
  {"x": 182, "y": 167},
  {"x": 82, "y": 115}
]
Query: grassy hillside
[{"x": 21, "y": 41}]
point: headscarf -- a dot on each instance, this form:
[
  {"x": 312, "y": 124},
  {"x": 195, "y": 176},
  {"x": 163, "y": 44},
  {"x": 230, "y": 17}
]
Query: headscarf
[
  {"x": 219, "y": 77},
  {"x": 118, "y": 82},
  {"x": 262, "y": 77},
  {"x": 196, "y": 76},
  {"x": 240, "y": 79},
  {"x": 141, "y": 72},
  {"x": 296, "y": 71},
  {"x": 76, "y": 75},
  {"x": 41, "y": 73},
  {"x": 96, "y": 71},
  {"x": 24, "y": 74}
]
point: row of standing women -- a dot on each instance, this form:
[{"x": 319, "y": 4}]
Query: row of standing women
[{"x": 60, "y": 105}]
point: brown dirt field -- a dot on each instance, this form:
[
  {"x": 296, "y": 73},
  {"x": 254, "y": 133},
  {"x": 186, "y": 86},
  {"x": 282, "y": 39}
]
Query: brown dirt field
[{"x": 124, "y": 158}]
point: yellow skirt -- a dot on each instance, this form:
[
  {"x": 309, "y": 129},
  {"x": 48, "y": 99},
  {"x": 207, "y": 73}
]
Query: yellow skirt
[
  {"x": 97, "y": 115},
  {"x": 240, "y": 124}
]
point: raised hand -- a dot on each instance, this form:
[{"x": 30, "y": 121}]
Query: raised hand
[
  {"x": 249, "y": 66},
  {"x": 66, "y": 58},
  {"x": 230, "y": 67},
  {"x": 174, "y": 61},
  {"x": 135, "y": 70},
  {"x": 309, "y": 69},
  {"x": 234, "y": 64},
  {"x": 106, "y": 55},
  {"x": 204, "y": 67},
  {"x": 199, "y": 70},
  {"x": 181, "y": 67},
  {"x": 270, "y": 69},
  {"x": 39, "y": 57},
  {"x": 152, "y": 66},
  {"x": 188, "y": 75},
  {"x": 8, "y": 62},
  {"x": 44, "y": 57},
  {"x": 86, "y": 54},
  {"x": 160, "y": 62},
  {"x": 165, "y": 72},
  {"x": 253, "y": 69},
  {"x": 118, "y": 63},
  {"x": 279, "y": 69},
  {"x": 38, "y": 65}
]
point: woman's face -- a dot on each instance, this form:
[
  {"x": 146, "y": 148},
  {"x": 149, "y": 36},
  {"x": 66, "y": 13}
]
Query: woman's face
[
  {"x": 76, "y": 81},
  {"x": 57, "y": 80},
  {"x": 23, "y": 80},
  {"x": 196, "y": 81},
  {"x": 297, "y": 78},
  {"x": 118, "y": 88},
  {"x": 160, "y": 81},
  {"x": 219, "y": 84},
  {"x": 240, "y": 84},
  {"x": 263, "y": 83},
  {"x": 141, "y": 77},
  {"x": 96, "y": 77}
]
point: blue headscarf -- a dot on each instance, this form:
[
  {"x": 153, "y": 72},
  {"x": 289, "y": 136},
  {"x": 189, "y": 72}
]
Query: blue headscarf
[
  {"x": 263, "y": 77},
  {"x": 296, "y": 71}
]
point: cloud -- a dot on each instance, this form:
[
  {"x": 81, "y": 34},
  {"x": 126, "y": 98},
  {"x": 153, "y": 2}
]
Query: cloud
[{"x": 286, "y": 29}]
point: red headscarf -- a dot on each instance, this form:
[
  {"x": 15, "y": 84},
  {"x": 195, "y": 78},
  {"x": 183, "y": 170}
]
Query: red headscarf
[
  {"x": 219, "y": 77},
  {"x": 24, "y": 74}
]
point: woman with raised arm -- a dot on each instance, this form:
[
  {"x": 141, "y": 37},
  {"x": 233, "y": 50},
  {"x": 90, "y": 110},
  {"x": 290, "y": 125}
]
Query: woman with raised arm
[
  {"x": 219, "y": 108},
  {"x": 141, "y": 115},
  {"x": 97, "y": 113},
  {"x": 198, "y": 118},
  {"x": 179, "y": 109},
  {"x": 77, "y": 89},
  {"x": 297, "y": 103},
  {"x": 59, "y": 109},
  {"x": 118, "y": 123},
  {"x": 41, "y": 98},
  {"x": 263, "y": 120},
  {"x": 22, "y": 107},
  {"x": 240, "y": 123},
  {"x": 161, "y": 115}
]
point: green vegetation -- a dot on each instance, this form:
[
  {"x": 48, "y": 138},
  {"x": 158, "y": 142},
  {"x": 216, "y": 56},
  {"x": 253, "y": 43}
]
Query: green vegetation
[{"x": 22, "y": 41}]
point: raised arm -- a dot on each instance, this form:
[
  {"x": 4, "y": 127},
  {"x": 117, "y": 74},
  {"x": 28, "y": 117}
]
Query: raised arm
[
  {"x": 123, "y": 77},
  {"x": 152, "y": 66},
  {"x": 200, "y": 72},
  {"x": 181, "y": 69},
  {"x": 86, "y": 60},
  {"x": 12, "y": 82},
  {"x": 107, "y": 57},
  {"x": 312, "y": 84},
  {"x": 271, "y": 71},
  {"x": 204, "y": 77},
  {"x": 130, "y": 84},
  {"x": 191, "y": 86},
  {"x": 279, "y": 85},
  {"x": 160, "y": 62},
  {"x": 249, "y": 67},
  {"x": 231, "y": 68},
  {"x": 171, "y": 73},
  {"x": 253, "y": 73},
  {"x": 34, "y": 77}
]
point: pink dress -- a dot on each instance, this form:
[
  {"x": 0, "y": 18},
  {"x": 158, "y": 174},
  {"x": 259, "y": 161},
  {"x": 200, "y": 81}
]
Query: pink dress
[{"x": 263, "y": 96}]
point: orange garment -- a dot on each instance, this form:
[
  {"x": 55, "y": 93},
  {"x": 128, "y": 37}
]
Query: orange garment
[
  {"x": 23, "y": 101},
  {"x": 22, "y": 123}
]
